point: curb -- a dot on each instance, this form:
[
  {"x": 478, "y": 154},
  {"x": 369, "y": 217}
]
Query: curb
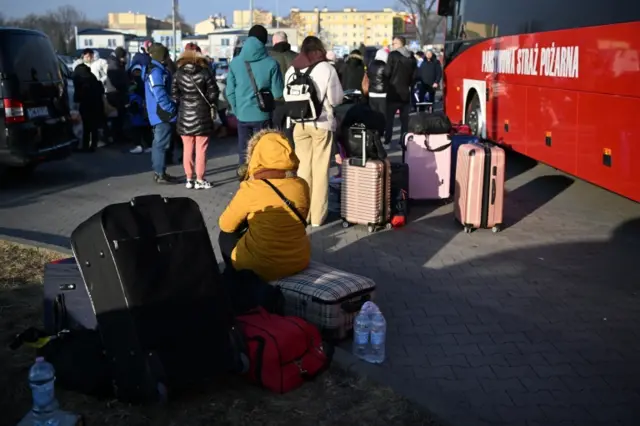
[{"x": 441, "y": 409}]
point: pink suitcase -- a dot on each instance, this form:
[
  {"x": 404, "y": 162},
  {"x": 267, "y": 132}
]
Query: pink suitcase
[
  {"x": 429, "y": 160},
  {"x": 479, "y": 191},
  {"x": 366, "y": 191}
]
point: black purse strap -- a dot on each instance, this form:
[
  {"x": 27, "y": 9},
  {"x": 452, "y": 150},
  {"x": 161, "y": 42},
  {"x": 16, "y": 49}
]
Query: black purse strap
[
  {"x": 287, "y": 202},
  {"x": 256, "y": 92}
]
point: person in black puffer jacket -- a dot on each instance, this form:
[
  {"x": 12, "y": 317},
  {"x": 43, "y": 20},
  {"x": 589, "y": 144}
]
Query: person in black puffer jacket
[
  {"x": 195, "y": 91},
  {"x": 400, "y": 69},
  {"x": 353, "y": 72},
  {"x": 116, "y": 88},
  {"x": 378, "y": 82}
]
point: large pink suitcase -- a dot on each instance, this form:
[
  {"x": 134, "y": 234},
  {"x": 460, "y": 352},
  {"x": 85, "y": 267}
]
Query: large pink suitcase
[
  {"x": 429, "y": 160},
  {"x": 479, "y": 191},
  {"x": 366, "y": 191}
]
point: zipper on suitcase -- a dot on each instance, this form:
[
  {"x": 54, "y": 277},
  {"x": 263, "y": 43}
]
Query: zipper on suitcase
[{"x": 486, "y": 186}]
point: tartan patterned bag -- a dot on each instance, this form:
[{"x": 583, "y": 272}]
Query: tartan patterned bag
[{"x": 326, "y": 297}]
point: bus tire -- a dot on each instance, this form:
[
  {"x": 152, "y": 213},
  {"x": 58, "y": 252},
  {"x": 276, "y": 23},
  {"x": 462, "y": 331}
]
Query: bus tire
[{"x": 473, "y": 115}]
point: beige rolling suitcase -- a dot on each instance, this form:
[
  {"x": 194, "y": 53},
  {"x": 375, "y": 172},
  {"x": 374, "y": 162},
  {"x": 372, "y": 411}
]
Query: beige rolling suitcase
[
  {"x": 366, "y": 189},
  {"x": 479, "y": 186}
]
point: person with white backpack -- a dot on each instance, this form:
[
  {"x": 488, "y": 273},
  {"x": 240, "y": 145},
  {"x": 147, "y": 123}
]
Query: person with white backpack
[{"x": 312, "y": 89}]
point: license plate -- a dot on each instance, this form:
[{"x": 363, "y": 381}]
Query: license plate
[{"x": 38, "y": 112}]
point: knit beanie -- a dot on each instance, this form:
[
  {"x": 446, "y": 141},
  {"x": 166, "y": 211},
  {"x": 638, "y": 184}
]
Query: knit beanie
[
  {"x": 259, "y": 32},
  {"x": 158, "y": 52}
]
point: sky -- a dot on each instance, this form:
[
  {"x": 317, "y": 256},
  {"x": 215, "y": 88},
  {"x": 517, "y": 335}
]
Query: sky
[{"x": 193, "y": 10}]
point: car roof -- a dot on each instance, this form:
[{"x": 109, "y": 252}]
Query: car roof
[{"x": 24, "y": 31}]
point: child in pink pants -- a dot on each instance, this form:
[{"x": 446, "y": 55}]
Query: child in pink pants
[{"x": 199, "y": 145}]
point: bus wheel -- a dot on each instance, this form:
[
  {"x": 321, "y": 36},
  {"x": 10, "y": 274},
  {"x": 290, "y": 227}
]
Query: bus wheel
[{"x": 473, "y": 116}]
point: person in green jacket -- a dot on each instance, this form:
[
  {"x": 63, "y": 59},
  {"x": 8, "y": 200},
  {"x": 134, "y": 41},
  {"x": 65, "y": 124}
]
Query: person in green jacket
[{"x": 240, "y": 92}]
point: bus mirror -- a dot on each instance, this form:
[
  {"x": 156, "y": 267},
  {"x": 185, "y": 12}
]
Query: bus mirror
[{"x": 445, "y": 7}]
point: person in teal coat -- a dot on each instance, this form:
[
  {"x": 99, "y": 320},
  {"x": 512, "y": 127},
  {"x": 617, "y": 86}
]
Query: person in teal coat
[{"x": 240, "y": 92}]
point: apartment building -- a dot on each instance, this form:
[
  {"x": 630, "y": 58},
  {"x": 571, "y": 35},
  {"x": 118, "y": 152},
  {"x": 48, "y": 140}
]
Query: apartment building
[
  {"x": 242, "y": 18},
  {"x": 210, "y": 24},
  {"x": 140, "y": 24},
  {"x": 349, "y": 27}
]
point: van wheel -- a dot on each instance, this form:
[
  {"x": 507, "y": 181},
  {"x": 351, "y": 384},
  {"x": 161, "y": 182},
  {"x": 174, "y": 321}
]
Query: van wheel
[{"x": 473, "y": 116}]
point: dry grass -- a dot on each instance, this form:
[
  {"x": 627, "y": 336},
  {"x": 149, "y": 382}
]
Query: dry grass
[{"x": 334, "y": 399}]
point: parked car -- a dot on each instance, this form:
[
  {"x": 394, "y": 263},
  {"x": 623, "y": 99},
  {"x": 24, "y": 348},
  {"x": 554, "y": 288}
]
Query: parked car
[
  {"x": 222, "y": 69},
  {"x": 34, "y": 118}
]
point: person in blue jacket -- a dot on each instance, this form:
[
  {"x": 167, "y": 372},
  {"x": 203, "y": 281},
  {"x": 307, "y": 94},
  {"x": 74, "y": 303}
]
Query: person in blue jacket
[
  {"x": 161, "y": 110},
  {"x": 240, "y": 92},
  {"x": 141, "y": 58}
]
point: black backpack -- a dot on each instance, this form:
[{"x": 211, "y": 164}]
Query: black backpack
[{"x": 301, "y": 97}]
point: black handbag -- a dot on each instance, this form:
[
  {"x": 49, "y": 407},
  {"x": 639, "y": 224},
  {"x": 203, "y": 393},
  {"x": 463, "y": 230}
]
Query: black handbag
[
  {"x": 266, "y": 102},
  {"x": 424, "y": 123}
]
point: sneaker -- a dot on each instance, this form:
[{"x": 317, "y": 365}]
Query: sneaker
[
  {"x": 386, "y": 146},
  {"x": 147, "y": 150},
  {"x": 189, "y": 184},
  {"x": 137, "y": 150},
  {"x": 203, "y": 184},
  {"x": 164, "y": 178}
]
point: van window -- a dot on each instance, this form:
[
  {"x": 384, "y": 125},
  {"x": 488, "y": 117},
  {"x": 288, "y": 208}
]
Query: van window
[{"x": 30, "y": 57}]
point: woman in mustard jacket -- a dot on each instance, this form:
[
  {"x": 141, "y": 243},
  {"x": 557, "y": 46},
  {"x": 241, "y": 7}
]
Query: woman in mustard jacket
[{"x": 263, "y": 228}]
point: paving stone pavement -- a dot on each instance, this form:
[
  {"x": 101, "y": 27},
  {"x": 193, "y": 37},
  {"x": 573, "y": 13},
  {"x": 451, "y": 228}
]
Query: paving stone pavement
[{"x": 536, "y": 325}]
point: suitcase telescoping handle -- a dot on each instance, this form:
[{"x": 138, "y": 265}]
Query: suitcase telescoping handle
[{"x": 364, "y": 146}]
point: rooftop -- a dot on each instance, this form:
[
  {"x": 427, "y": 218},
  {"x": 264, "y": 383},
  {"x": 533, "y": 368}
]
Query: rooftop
[{"x": 102, "y": 31}]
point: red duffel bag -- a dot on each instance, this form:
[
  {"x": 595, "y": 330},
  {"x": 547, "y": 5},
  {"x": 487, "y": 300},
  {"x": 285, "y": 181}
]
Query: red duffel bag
[{"x": 283, "y": 351}]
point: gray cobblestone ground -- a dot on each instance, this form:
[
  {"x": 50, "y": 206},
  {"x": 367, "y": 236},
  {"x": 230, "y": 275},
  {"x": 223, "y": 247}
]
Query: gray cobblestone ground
[{"x": 537, "y": 325}]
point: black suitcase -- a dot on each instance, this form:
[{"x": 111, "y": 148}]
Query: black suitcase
[
  {"x": 155, "y": 287},
  {"x": 66, "y": 299}
]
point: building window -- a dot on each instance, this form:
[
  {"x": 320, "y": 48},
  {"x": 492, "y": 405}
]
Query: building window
[
  {"x": 111, "y": 42},
  {"x": 225, "y": 42},
  {"x": 88, "y": 42}
]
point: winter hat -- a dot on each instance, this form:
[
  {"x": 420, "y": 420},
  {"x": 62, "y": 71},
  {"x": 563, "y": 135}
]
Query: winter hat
[
  {"x": 136, "y": 68},
  {"x": 259, "y": 32},
  {"x": 158, "y": 52},
  {"x": 120, "y": 53},
  {"x": 382, "y": 55}
]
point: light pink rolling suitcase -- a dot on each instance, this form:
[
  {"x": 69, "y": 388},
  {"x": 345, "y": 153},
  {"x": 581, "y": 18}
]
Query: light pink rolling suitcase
[{"x": 429, "y": 160}]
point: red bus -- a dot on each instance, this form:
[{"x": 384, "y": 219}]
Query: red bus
[{"x": 556, "y": 80}]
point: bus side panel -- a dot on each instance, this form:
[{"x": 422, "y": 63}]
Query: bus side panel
[
  {"x": 551, "y": 127},
  {"x": 507, "y": 107},
  {"x": 609, "y": 142}
]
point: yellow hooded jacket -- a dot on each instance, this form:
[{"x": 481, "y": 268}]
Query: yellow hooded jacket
[{"x": 276, "y": 244}]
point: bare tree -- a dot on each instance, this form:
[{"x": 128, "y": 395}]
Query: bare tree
[
  {"x": 428, "y": 20},
  {"x": 58, "y": 24}
]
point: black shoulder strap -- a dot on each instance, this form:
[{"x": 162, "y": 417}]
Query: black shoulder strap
[{"x": 287, "y": 202}]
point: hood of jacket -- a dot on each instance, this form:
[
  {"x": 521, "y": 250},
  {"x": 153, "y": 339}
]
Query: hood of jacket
[
  {"x": 192, "y": 62},
  {"x": 253, "y": 50},
  {"x": 404, "y": 51},
  {"x": 281, "y": 47},
  {"x": 271, "y": 150},
  {"x": 83, "y": 71},
  {"x": 355, "y": 58}
]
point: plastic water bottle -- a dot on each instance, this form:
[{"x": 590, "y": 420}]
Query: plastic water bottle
[
  {"x": 45, "y": 410},
  {"x": 361, "y": 329},
  {"x": 378, "y": 337}
]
